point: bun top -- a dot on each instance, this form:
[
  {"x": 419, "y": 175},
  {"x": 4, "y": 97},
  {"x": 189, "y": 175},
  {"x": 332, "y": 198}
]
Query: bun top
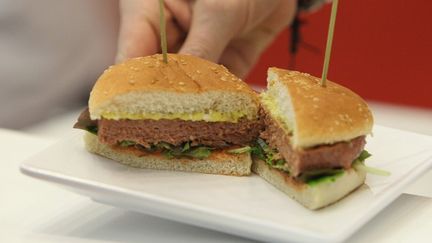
[
  {"x": 315, "y": 115},
  {"x": 187, "y": 87}
]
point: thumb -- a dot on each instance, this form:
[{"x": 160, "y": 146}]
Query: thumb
[{"x": 213, "y": 26}]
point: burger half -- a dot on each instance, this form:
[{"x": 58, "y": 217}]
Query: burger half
[
  {"x": 312, "y": 147},
  {"x": 188, "y": 114}
]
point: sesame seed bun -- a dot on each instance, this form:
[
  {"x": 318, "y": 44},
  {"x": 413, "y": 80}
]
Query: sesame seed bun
[
  {"x": 185, "y": 85},
  {"x": 315, "y": 115}
]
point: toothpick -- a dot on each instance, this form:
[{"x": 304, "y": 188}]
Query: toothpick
[
  {"x": 163, "y": 30},
  {"x": 329, "y": 42}
]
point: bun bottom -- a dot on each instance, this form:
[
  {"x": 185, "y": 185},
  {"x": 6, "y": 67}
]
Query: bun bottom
[
  {"x": 218, "y": 162},
  {"x": 312, "y": 197}
]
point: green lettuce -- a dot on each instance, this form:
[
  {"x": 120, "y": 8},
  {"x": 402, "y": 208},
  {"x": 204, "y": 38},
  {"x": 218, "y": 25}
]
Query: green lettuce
[
  {"x": 171, "y": 151},
  {"x": 358, "y": 164},
  {"x": 92, "y": 129},
  {"x": 263, "y": 151},
  {"x": 316, "y": 177},
  {"x": 197, "y": 152},
  {"x": 126, "y": 143},
  {"x": 241, "y": 150}
]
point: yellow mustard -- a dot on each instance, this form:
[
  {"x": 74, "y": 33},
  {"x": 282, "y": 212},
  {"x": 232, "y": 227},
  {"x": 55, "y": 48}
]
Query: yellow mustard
[{"x": 212, "y": 116}]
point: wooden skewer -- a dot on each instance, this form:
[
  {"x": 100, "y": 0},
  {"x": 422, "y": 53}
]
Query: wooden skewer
[
  {"x": 329, "y": 42},
  {"x": 163, "y": 30}
]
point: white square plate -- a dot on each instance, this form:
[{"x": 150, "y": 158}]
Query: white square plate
[{"x": 245, "y": 206}]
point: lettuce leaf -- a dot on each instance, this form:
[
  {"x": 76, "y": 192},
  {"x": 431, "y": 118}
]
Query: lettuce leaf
[
  {"x": 329, "y": 176},
  {"x": 92, "y": 129},
  {"x": 241, "y": 150},
  {"x": 358, "y": 164},
  {"x": 170, "y": 151},
  {"x": 186, "y": 147},
  {"x": 363, "y": 156},
  {"x": 263, "y": 151},
  {"x": 198, "y": 152},
  {"x": 126, "y": 143}
]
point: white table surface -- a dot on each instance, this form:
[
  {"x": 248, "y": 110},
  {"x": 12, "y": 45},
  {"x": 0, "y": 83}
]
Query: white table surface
[{"x": 36, "y": 211}]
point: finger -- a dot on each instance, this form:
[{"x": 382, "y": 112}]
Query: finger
[
  {"x": 139, "y": 29},
  {"x": 256, "y": 12},
  {"x": 182, "y": 12},
  {"x": 137, "y": 36},
  {"x": 241, "y": 55},
  {"x": 281, "y": 17},
  {"x": 214, "y": 24}
]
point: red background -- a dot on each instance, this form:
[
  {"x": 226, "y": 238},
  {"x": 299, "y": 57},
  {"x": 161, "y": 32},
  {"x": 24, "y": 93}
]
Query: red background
[{"x": 381, "y": 49}]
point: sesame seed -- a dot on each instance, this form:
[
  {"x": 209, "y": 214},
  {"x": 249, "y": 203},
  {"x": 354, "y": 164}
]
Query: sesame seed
[
  {"x": 181, "y": 83},
  {"x": 132, "y": 81},
  {"x": 315, "y": 99},
  {"x": 105, "y": 92},
  {"x": 198, "y": 71},
  {"x": 223, "y": 79}
]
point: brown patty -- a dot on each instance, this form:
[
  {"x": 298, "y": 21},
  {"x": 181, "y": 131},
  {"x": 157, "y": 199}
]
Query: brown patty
[
  {"x": 338, "y": 155},
  {"x": 176, "y": 132}
]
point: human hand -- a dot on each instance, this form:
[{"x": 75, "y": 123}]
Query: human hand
[{"x": 230, "y": 32}]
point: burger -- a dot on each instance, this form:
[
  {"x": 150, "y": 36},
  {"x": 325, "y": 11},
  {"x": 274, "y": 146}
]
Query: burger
[
  {"x": 188, "y": 114},
  {"x": 312, "y": 147}
]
